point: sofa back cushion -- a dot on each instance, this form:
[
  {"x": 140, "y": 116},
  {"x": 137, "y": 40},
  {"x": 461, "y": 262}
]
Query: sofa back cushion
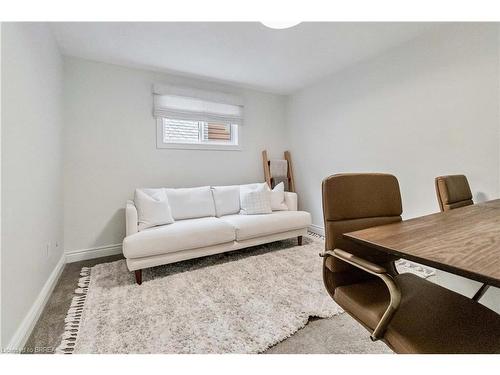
[
  {"x": 191, "y": 203},
  {"x": 226, "y": 199},
  {"x": 152, "y": 208}
]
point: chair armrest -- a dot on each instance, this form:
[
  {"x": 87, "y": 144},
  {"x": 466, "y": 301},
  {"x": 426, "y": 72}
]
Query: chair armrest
[
  {"x": 359, "y": 262},
  {"x": 291, "y": 200},
  {"x": 130, "y": 218},
  {"x": 379, "y": 271}
]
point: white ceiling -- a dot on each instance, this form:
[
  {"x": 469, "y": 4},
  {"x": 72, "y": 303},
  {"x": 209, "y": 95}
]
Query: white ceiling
[{"x": 247, "y": 54}]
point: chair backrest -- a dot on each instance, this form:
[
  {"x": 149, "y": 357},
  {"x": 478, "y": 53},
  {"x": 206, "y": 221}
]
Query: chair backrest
[
  {"x": 352, "y": 202},
  {"x": 453, "y": 192}
]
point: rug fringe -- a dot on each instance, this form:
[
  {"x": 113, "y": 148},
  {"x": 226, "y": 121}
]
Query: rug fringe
[
  {"x": 315, "y": 235},
  {"x": 421, "y": 270},
  {"x": 74, "y": 315}
]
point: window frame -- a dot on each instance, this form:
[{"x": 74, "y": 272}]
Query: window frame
[{"x": 160, "y": 144}]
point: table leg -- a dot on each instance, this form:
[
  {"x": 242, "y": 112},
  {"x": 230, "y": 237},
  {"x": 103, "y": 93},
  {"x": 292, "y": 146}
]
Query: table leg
[{"x": 480, "y": 292}]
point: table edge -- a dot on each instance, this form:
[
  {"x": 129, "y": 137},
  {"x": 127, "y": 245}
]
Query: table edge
[{"x": 440, "y": 266}]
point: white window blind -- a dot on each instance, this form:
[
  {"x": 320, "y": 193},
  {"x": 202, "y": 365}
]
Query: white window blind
[
  {"x": 180, "y": 131},
  {"x": 197, "y": 119},
  {"x": 196, "y": 105}
]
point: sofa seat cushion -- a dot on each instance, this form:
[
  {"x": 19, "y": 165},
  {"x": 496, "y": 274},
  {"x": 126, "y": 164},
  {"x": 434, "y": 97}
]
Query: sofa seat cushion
[
  {"x": 251, "y": 226},
  {"x": 181, "y": 235}
]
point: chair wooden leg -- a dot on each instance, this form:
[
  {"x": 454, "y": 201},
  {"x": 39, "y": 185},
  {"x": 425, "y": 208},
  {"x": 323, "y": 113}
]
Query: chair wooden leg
[
  {"x": 299, "y": 240},
  {"x": 138, "y": 277}
]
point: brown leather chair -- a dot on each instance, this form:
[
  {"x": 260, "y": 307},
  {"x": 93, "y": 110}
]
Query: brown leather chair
[
  {"x": 410, "y": 314},
  {"x": 453, "y": 192}
]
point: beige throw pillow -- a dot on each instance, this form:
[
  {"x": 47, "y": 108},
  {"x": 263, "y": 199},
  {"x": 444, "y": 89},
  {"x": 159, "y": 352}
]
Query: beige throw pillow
[{"x": 255, "y": 199}]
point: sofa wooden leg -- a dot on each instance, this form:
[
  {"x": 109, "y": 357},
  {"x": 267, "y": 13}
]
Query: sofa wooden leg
[
  {"x": 299, "y": 240},
  {"x": 138, "y": 277}
]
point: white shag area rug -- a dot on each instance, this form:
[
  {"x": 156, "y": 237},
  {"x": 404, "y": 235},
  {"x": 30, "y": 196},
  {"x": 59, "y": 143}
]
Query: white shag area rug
[{"x": 240, "y": 302}]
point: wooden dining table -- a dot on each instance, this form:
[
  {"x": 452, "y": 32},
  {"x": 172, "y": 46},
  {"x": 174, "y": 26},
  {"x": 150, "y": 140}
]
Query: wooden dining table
[{"x": 463, "y": 241}]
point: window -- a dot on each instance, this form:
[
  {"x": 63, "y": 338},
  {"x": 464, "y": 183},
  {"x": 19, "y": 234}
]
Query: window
[
  {"x": 186, "y": 132},
  {"x": 194, "y": 122}
]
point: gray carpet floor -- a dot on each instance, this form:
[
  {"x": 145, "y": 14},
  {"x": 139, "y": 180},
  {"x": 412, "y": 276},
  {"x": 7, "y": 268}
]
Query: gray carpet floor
[{"x": 338, "y": 335}]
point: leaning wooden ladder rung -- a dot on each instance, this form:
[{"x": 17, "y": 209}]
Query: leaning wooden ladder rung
[{"x": 267, "y": 170}]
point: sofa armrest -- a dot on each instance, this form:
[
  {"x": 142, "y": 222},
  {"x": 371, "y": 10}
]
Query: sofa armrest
[
  {"x": 130, "y": 218},
  {"x": 291, "y": 200}
]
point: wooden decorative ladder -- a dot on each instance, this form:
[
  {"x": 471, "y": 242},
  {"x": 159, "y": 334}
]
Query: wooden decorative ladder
[{"x": 267, "y": 171}]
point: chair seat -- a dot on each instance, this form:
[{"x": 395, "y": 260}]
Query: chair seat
[{"x": 430, "y": 318}]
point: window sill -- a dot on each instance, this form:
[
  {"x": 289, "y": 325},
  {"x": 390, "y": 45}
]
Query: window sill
[{"x": 196, "y": 146}]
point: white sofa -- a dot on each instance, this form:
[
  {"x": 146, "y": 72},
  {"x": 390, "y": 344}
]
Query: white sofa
[{"x": 204, "y": 226}]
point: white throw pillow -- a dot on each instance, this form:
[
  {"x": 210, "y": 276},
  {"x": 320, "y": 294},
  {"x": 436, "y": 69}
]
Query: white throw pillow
[
  {"x": 255, "y": 200},
  {"x": 254, "y": 186},
  {"x": 152, "y": 208},
  {"x": 191, "y": 203},
  {"x": 278, "y": 198},
  {"x": 244, "y": 189},
  {"x": 227, "y": 200}
]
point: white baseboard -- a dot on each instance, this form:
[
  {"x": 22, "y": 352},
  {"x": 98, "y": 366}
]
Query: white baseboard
[
  {"x": 23, "y": 333},
  {"x": 93, "y": 252},
  {"x": 317, "y": 229}
]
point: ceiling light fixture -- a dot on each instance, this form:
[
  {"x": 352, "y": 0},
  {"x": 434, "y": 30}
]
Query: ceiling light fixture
[{"x": 280, "y": 24}]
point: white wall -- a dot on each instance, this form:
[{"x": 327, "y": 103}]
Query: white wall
[
  {"x": 31, "y": 168},
  {"x": 427, "y": 108},
  {"x": 110, "y": 147},
  {"x": 424, "y": 109}
]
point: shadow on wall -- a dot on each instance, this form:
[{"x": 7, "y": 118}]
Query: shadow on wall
[
  {"x": 480, "y": 197},
  {"x": 113, "y": 231}
]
